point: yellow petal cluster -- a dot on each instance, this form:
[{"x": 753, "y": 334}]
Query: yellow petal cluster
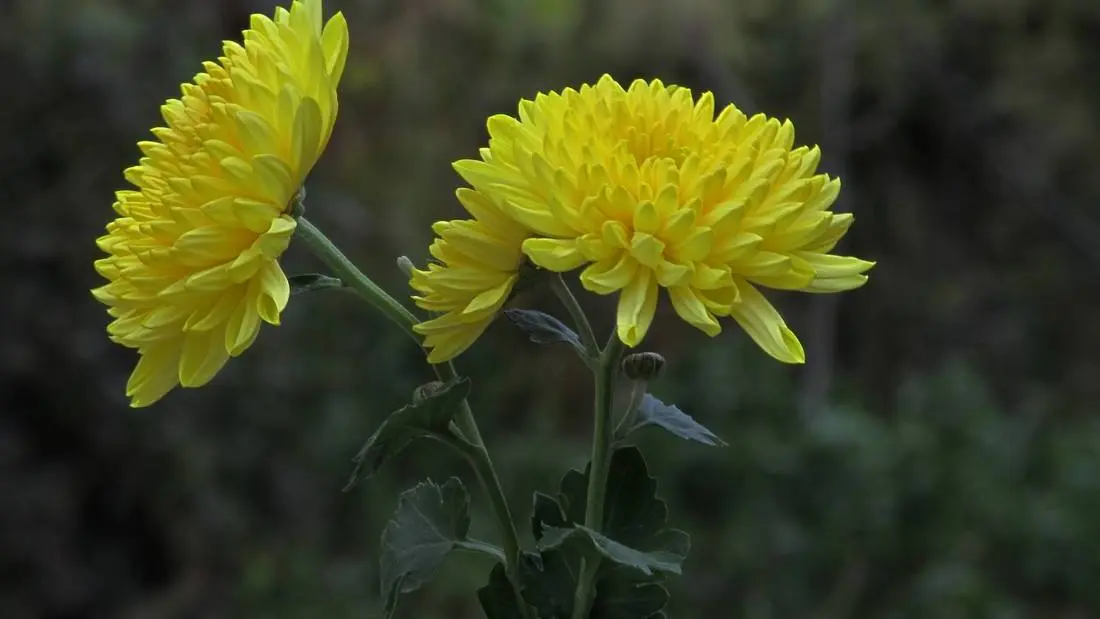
[
  {"x": 192, "y": 264},
  {"x": 647, "y": 188},
  {"x": 477, "y": 266}
]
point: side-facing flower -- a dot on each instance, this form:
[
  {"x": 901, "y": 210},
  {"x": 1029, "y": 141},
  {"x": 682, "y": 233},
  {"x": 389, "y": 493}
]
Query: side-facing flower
[
  {"x": 193, "y": 252},
  {"x": 647, "y": 189},
  {"x": 478, "y": 263}
]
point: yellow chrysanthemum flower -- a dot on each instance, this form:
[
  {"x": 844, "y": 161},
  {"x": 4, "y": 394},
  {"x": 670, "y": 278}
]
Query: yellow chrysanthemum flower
[
  {"x": 193, "y": 252},
  {"x": 478, "y": 265},
  {"x": 650, "y": 190}
]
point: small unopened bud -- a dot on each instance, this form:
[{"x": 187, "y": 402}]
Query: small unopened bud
[
  {"x": 407, "y": 267},
  {"x": 427, "y": 390},
  {"x": 643, "y": 366}
]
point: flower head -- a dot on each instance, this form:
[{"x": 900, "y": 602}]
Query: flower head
[
  {"x": 646, "y": 188},
  {"x": 478, "y": 265},
  {"x": 192, "y": 263}
]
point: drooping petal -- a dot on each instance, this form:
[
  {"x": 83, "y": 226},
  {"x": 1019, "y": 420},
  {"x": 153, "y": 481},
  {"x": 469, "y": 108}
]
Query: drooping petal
[
  {"x": 273, "y": 292},
  {"x": 692, "y": 309},
  {"x": 202, "y": 356},
  {"x": 765, "y": 326},
  {"x": 637, "y": 305},
  {"x": 155, "y": 373}
]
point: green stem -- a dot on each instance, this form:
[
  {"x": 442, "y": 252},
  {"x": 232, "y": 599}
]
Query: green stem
[
  {"x": 479, "y": 459},
  {"x": 588, "y": 338},
  {"x": 327, "y": 252},
  {"x": 602, "y": 438},
  {"x": 476, "y": 454}
]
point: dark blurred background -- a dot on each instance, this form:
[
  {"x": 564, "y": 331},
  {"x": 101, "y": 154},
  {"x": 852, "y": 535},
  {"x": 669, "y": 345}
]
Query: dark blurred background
[{"x": 938, "y": 457}]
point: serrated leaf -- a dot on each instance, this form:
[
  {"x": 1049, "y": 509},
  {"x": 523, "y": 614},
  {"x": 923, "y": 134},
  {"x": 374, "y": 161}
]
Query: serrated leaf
[
  {"x": 624, "y": 594},
  {"x": 498, "y": 599},
  {"x": 430, "y": 521},
  {"x": 542, "y": 328},
  {"x": 668, "y": 548},
  {"x": 546, "y": 512},
  {"x": 427, "y": 417},
  {"x": 653, "y": 412},
  {"x": 634, "y": 541},
  {"x": 310, "y": 282},
  {"x": 632, "y": 511}
]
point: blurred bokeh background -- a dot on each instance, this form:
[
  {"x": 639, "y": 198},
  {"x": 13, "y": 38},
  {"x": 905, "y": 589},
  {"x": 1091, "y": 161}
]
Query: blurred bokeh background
[{"x": 939, "y": 456}]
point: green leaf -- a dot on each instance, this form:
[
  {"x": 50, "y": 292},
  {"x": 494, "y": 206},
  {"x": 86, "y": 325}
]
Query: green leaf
[
  {"x": 310, "y": 282},
  {"x": 668, "y": 548},
  {"x": 566, "y": 509},
  {"x": 546, "y": 512},
  {"x": 632, "y": 511},
  {"x": 653, "y": 412},
  {"x": 498, "y": 599},
  {"x": 429, "y": 523},
  {"x": 543, "y": 328},
  {"x": 636, "y": 546},
  {"x": 625, "y": 594},
  {"x": 429, "y": 416},
  {"x": 550, "y": 582}
]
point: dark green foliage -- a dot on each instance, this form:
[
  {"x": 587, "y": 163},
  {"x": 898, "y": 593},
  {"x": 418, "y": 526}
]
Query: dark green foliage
[
  {"x": 669, "y": 548},
  {"x": 634, "y": 538},
  {"x": 542, "y": 328},
  {"x": 547, "y": 512},
  {"x": 623, "y": 593},
  {"x": 653, "y": 412},
  {"x": 430, "y": 522},
  {"x": 498, "y": 598},
  {"x": 428, "y": 416}
]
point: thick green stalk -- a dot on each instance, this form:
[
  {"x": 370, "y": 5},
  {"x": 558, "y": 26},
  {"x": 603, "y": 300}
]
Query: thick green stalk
[
  {"x": 476, "y": 454},
  {"x": 602, "y": 437}
]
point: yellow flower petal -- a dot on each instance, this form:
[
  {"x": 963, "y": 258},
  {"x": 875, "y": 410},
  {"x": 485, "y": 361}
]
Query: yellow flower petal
[
  {"x": 692, "y": 309},
  {"x": 273, "y": 293},
  {"x": 155, "y": 373},
  {"x": 637, "y": 305},
  {"x": 559, "y": 255},
  {"x": 646, "y": 218},
  {"x": 836, "y": 284},
  {"x": 765, "y": 326},
  {"x": 828, "y": 266},
  {"x": 334, "y": 40},
  {"x": 203, "y": 355},
  {"x": 647, "y": 249},
  {"x": 491, "y": 299},
  {"x": 608, "y": 276}
]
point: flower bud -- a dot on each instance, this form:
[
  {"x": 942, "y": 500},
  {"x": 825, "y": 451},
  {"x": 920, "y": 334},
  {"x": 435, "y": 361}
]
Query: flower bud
[
  {"x": 643, "y": 366},
  {"x": 407, "y": 267}
]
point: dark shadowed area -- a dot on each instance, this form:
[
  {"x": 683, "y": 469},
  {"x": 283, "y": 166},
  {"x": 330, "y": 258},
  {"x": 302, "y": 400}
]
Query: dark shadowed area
[{"x": 939, "y": 455}]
